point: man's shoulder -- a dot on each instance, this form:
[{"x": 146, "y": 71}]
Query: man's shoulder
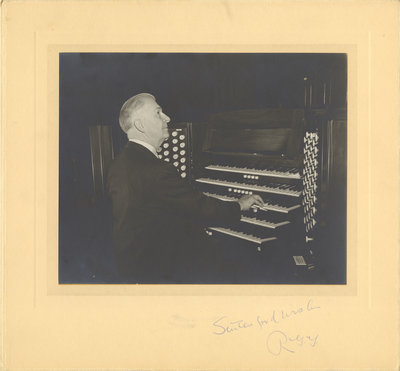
[{"x": 133, "y": 157}]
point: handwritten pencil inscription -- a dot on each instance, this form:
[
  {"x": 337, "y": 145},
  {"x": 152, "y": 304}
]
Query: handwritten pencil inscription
[{"x": 277, "y": 340}]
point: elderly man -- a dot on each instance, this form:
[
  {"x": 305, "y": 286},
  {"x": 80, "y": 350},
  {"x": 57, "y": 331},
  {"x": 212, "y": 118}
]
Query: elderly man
[{"x": 157, "y": 215}]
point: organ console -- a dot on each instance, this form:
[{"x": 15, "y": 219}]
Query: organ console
[
  {"x": 256, "y": 152},
  {"x": 277, "y": 154}
]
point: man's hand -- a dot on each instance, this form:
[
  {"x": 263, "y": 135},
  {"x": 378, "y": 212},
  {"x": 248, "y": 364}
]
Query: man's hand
[{"x": 246, "y": 202}]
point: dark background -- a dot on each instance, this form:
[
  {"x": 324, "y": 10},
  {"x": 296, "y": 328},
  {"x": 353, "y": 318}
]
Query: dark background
[{"x": 190, "y": 87}]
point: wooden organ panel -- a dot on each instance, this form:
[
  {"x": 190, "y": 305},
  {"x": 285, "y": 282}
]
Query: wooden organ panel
[{"x": 102, "y": 153}]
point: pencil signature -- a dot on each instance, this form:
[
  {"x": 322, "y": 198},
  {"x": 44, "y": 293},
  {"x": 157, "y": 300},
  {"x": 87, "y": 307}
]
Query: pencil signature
[{"x": 278, "y": 341}]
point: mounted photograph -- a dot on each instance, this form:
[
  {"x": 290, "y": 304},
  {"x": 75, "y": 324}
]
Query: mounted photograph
[{"x": 202, "y": 168}]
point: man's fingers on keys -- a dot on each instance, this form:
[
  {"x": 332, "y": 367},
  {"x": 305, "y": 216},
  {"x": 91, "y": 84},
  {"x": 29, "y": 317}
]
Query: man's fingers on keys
[{"x": 258, "y": 200}]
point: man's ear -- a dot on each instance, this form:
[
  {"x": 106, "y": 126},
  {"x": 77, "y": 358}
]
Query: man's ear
[{"x": 138, "y": 124}]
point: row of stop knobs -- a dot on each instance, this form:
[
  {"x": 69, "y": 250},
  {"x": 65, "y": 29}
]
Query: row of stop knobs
[{"x": 310, "y": 176}]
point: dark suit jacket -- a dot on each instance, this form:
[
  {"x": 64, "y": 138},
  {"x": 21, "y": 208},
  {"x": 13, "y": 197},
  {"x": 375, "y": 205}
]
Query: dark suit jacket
[{"x": 158, "y": 217}]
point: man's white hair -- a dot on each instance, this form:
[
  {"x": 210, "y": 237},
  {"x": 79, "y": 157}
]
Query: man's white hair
[{"x": 129, "y": 108}]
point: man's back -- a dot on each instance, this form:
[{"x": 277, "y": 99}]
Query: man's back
[{"x": 157, "y": 215}]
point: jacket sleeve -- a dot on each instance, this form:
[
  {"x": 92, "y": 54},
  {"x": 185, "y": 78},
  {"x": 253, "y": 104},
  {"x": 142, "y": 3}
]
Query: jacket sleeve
[{"x": 179, "y": 196}]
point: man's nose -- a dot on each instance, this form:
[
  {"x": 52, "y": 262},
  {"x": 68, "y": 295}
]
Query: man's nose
[{"x": 166, "y": 118}]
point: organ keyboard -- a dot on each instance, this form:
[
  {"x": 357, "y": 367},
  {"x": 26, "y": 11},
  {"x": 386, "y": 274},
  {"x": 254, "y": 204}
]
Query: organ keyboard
[
  {"x": 276, "y": 172},
  {"x": 263, "y": 223},
  {"x": 257, "y": 239},
  {"x": 268, "y": 204},
  {"x": 283, "y": 189}
]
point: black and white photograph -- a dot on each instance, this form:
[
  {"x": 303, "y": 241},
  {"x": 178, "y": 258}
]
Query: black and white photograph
[{"x": 202, "y": 168}]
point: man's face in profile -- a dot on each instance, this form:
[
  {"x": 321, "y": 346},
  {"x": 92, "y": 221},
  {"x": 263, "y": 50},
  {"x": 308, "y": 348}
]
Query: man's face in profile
[{"x": 155, "y": 122}]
